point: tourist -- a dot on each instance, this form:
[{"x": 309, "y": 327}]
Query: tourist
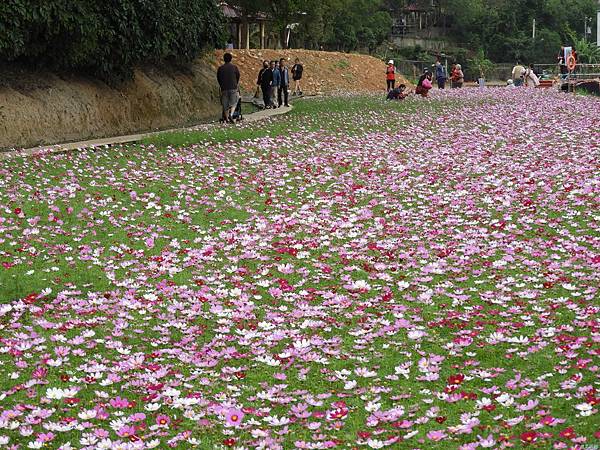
[
  {"x": 562, "y": 62},
  {"x": 297, "y": 70},
  {"x": 398, "y": 93},
  {"x": 284, "y": 82},
  {"x": 228, "y": 77},
  {"x": 275, "y": 83},
  {"x": 440, "y": 75},
  {"x": 458, "y": 77},
  {"x": 424, "y": 84},
  {"x": 530, "y": 78},
  {"x": 265, "y": 79},
  {"x": 390, "y": 75},
  {"x": 517, "y": 74}
]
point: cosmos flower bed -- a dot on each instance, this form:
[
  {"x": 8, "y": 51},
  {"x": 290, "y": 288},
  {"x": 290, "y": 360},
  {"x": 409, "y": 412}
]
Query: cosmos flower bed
[{"x": 406, "y": 275}]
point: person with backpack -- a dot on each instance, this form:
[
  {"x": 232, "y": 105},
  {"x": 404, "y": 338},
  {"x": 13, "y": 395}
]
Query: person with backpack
[
  {"x": 284, "y": 81},
  {"x": 228, "y": 76},
  {"x": 265, "y": 79},
  {"x": 440, "y": 75},
  {"x": 297, "y": 70},
  {"x": 390, "y": 75}
]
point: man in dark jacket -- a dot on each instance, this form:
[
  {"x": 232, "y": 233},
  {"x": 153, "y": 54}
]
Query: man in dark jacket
[
  {"x": 265, "y": 80},
  {"x": 284, "y": 82},
  {"x": 228, "y": 77}
]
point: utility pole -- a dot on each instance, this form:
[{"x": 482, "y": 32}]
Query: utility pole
[{"x": 533, "y": 32}]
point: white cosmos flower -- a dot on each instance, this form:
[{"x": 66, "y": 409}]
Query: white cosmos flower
[
  {"x": 87, "y": 414},
  {"x": 276, "y": 421},
  {"x": 505, "y": 399},
  {"x": 349, "y": 385},
  {"x": 152, "y": 406},
  {"x": 35, "y": 444},
  {"x": 585, "y": 409},
  {"x": 375, "y": 443},
  {"x": 482, "y": 402}
]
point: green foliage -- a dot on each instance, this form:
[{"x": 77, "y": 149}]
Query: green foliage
[
  {"x": 503, "y": 29},
  {"x": 587, "y": 52},
  {"x": 481, "y": 63},
  {"x": 108, "y": 38}
]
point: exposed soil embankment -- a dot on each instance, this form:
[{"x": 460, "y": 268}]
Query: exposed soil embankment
[
  {"x": 46, "y": 108},
  {"x": 324, "y": 72}
]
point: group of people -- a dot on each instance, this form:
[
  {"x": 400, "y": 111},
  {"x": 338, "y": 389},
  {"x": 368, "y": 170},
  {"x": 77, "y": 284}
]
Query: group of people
[
  {"x": 274, "y": 80},
  {"x": 425, "y": 82},
  {"x": 523, "y": 76}
]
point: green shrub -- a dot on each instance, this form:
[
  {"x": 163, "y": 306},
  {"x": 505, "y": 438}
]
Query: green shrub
[{"x": 107, "y": 38}]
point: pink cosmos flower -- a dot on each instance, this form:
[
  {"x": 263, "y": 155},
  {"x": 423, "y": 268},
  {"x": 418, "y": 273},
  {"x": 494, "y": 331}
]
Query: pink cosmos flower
[
  {"x": 233, "y": 417},
  {"x": 163, "y": 420}
]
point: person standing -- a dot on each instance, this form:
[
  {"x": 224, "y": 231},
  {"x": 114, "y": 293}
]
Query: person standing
[
  {"x": 440, "y": 75},
  {"x": 297, "y": 70},
  {"x": 275, "y": 83},
  {"x": 228, "y": 76},
  {"x": 284, "y": 82},
  {"x": 517, "y": 74},
  {"x": 458, "y": 77},
  {"x": 265, "y": 79},
  {"x": 390, "y": 75},
  {"x": 530, "y": 77}
]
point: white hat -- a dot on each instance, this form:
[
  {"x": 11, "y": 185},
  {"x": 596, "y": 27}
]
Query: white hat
[{"x": 391, "y": 61}]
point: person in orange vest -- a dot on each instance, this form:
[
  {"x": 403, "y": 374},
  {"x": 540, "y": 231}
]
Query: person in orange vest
[{"x": 390, "y": 73}]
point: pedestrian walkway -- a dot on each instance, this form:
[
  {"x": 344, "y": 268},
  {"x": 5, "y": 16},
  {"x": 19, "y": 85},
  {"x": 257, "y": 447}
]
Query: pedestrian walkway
[{"x": 58, "y": 148}]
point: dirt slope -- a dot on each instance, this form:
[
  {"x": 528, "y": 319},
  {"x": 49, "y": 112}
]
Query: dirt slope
[
  {"x": 46, "y": 108},
  {"x": 324, "y": 72}
]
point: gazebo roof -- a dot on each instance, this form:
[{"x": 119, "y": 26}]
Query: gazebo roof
[
  {"x": 234, "y": 14},
  {"x": 419, "y": 5}
]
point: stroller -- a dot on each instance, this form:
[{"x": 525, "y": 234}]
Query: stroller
[{"x": 237, "y": 114}]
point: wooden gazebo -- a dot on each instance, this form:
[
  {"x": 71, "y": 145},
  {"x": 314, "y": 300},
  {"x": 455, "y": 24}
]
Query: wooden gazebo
[{"x": 240, "y": 24}]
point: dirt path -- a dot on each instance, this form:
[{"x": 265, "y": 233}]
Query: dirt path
[{"x": 58, "y": 148}]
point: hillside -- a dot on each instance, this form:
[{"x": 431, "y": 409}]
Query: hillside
[{"x": 324, "y": 72}]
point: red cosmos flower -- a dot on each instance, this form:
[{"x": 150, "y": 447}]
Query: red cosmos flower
[
  {"x": 30, "y": 299},
  {"x": 440, "y": 419},
  {"x": 490, "y": 407},
  {"x": 64, "y": 378},
  {"x": 229, "y": 442},
  {"x": 363, "y": 434},
  {"x": 528, "y": 437},
  {"x": 18, "y": 211},
  {"x": 72, "y": 401},
  {"x": 567, "y": 433},
  {"x": 456, "y": 379}
]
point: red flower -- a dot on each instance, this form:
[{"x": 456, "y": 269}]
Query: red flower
[
  {"x": 528, "y": 437},
  {"x": 567, "y": 433},
  {"x": 18, "y": 211},
  {"x": 229, "y": 442},
  {"x": 456, "y": 379},
  {"x": 440, "y": 419}
]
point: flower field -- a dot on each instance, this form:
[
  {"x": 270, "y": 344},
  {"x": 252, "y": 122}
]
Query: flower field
[{"x": 357, "y": 274}]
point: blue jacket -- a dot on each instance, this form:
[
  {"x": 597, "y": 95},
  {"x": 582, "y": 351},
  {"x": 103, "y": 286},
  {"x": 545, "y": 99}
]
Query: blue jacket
[
  {"x": 440, "y": 72},
  {"x": 285, "y": 76},
  {"x": 276, "y": 77}
]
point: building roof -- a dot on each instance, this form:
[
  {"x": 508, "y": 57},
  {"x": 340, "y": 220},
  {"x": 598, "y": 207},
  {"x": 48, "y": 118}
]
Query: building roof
[
  {"x": 420, "y": 5},
  {"x": 234, "y": 14}
]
